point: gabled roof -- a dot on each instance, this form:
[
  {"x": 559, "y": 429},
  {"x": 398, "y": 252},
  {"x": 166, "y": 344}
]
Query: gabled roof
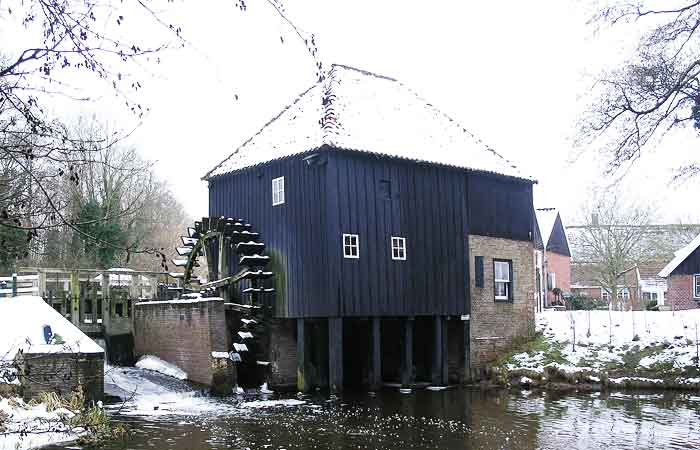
[
  {"x": 352, "y": 109},
  {"x": 552, "y": 229},
  {"x": 680, "y": 256}
]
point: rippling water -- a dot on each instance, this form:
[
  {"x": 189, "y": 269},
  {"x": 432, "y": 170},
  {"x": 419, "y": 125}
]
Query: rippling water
[{"x": 453, "y": 419}]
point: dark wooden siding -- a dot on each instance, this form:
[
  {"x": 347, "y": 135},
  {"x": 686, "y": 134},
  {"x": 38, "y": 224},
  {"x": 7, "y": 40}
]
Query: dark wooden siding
[
  {"x": 433, "y": 208},
  {"x": 499, "y": 207},
  {"x": 557, "y": 240},
  {"x": 294, "y": 233},
  {"x": 690, "y": 266},
  {"x": 428, "y": 208}
]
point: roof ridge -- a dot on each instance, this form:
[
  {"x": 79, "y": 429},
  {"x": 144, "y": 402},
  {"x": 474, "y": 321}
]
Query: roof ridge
[{"x": 365, "y": 72}]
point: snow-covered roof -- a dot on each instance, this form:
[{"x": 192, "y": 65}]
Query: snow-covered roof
[
  {"x": 680, "y": 256},
  {"x": 22, "y": 321},
  {"x": 352, "y": 109}
]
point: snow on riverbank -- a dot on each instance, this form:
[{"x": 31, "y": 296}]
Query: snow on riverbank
[
  {"x": 24, "y": 426},
  {"x": 156, "y": 364},
  {"x": 632, "y": 346}
]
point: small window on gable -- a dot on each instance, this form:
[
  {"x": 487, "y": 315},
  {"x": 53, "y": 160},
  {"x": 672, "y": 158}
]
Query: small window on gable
[
  {"x": 696, "y": 286},
  {"x": 278, "y": 191},
  {"x": 398, "y": 248},
  {"x": 351, "y": 246},
  {"x": 503, "y": 279},
  {"x": 385, "y": 189}
]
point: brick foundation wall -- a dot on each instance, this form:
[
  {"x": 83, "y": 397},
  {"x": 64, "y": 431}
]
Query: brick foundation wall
[
  {"x": 495, "y": 326},
  {"x": 183, "y": 333},
  {"x": 680, "y": 293},
  {"x": 62, "y": 373},
  {"x": 283, "y": 353},
  {"x": 561, "y": 266}
]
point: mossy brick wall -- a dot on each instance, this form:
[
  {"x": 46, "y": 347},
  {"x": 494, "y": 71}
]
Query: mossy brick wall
[
  {"x": 283, "y": 353},
  {"x": 62, "y": 373},
  {"x": 496, "y": 325},
  {"x": 184, "y": 333},
  {"x": 680, "y": 293}
]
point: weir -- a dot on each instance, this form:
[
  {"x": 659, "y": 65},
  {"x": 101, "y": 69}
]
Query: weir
[{"x": 99, "y": 302}]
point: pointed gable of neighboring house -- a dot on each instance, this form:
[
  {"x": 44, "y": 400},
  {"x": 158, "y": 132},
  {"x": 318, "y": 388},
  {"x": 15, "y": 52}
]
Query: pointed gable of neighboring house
[
  {"x": 685, "y": 260},
  {"x": 356, "y": 110},
  {"x": 682, "y": 275},
  {"x": 552, "y": 232}
]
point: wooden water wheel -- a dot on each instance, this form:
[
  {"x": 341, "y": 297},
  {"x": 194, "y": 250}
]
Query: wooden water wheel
[{"x": 234, "y": 258}]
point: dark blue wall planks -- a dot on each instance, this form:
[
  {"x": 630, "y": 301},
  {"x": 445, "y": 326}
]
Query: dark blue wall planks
[{"x": 376, "y": 198}]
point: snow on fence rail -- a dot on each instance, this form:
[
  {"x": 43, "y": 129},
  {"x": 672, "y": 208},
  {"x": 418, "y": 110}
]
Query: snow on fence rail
[{"x": 19, "y": 285}]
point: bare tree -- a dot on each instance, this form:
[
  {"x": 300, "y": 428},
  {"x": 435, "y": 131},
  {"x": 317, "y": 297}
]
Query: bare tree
[
  {"x": 613, "y": 240},
  {"x": 59, "y": 45},
  {"x": 657, "y": 89}
]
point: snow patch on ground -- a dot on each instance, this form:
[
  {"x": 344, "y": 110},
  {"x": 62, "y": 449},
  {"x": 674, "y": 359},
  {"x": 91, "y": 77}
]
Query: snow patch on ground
[
  {"x": 664, "y": 342},
  {"x": 151, "y": 362},
  {"x": 46, "y": 427}
]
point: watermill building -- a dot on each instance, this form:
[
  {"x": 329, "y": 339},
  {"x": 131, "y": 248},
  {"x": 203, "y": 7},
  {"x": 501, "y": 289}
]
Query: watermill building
[{"x": 402, "y": 245}]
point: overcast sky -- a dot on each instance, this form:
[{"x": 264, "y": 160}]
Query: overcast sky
[{"x": 514, "y": 73}]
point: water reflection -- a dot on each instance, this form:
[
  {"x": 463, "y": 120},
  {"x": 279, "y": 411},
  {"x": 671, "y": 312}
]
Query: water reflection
[{"x": 449, "y": 420}]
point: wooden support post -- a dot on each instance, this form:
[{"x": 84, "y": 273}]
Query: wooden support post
[
  {"x": 224, "y": 243},
  {"x": 407, "y": 353},
  {"x": 106, "y": 304},
  {"x": 335, "y": 354},
  {"x": 75, "y": 298},
  {"x": 302, "y": 382},
  {"x": 466, "y": 356},
  {"x": 444, "y": 375},
  {"x": 436, "y": 369},
  {"x": 42, "y": 284},
  {"x": 375, "y": 374}
]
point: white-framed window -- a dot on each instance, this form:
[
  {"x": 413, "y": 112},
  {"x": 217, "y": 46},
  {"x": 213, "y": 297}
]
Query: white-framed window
[
  {"x": 552, "y": 280},
  {"x": 503, "y": 284},
  {"x": 696, "y": 285},
  {"x": 351, "y": 246},
  {"x": 623, "y": 294},
  {"x": 606, "y": 296},
  {"x": 398, "y": 248},
  {"x": 277, "y": 191}
]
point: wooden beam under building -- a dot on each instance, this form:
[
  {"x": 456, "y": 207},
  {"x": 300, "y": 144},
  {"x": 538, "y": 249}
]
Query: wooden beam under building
[
  {"x": 407, "y": 353},
  {"x": 335, "y": 354},
  {"x": 302, "y": 382},
  {"x": 375, "y": 373}
]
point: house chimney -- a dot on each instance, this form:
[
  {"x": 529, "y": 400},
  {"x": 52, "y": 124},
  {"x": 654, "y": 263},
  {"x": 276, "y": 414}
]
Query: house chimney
[{"x": 594, "y": 219}]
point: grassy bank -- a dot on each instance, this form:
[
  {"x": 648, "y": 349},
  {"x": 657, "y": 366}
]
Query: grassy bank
[
  {"x": 600, "y": 349},
  {"x": 53, "y": 419}
]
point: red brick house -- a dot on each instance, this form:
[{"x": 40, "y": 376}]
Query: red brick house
[
  {"x": 682, "y": 275},
  {"x": 638, "y": 285},
  {"x": 552, "y": 256}
]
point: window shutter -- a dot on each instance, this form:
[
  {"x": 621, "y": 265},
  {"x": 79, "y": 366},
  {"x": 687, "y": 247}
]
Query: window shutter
[
  {"x": 479, "y": 271},
  {"x": 512, "y": 282}
]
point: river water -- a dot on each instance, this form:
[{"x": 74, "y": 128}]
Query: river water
[{"x": 172, "y": 416}]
